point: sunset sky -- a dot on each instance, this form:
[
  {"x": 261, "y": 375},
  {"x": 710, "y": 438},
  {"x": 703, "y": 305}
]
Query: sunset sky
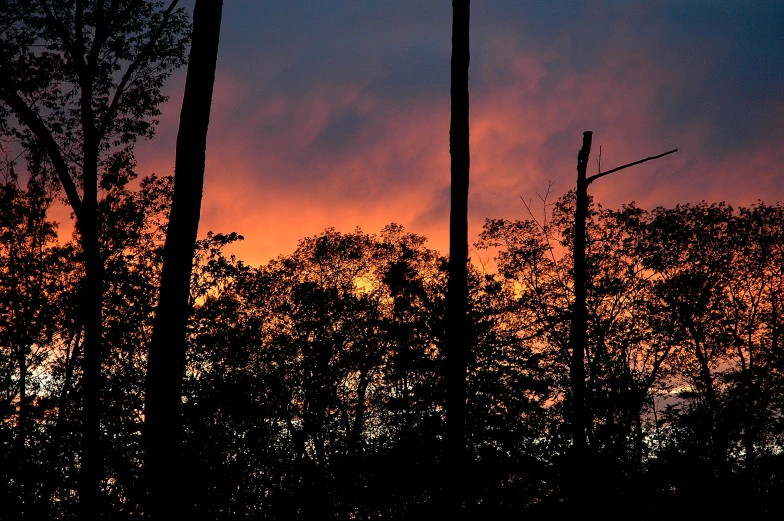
[{"x": 337, "y": 113}]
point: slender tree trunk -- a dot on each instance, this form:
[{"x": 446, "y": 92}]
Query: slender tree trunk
[
  {"x": 52, "y": 477},
  {"x": 91, "y": 297},
  {"x": 458, "y": 345},
  {"x": 355, "y": 437},
  {"x": 18, "y": 348},
  {"x": 355, "y": 433},
  {"x": 92, "y": 308},
  {"x": 578, "y": 334},
  {"x": 166, "y": 364},
  {"x": 717, "y": 438},
  {"x": 749, "y": 426},
  {"x": 21, "y": 434},
  {"x": 581, "y": 414}
]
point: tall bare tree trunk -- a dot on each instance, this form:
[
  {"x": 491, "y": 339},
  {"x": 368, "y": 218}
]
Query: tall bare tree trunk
[
  {"x": 578, "y": 333},
  {"x": 458, "y": 345},
  {"x": 166, "y": 362},
  {"x": 578, "y": 486}
]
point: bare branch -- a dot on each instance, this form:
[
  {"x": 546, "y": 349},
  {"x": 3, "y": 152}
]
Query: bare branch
[
  {"x": 597, "y": 176},
  {"x": 38, "y": 127},
  {"x": 531, "y": 213},
  {"x": 599, "y": 161}
]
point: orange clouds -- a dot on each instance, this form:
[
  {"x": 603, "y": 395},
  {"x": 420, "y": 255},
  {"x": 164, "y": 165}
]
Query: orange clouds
[
  {"x": 274, "y": 198},
  {"x": 284, "y": 165}
]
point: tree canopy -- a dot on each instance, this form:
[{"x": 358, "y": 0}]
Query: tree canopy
[
  {"x": 315, "y": 384},
  {"x": 320, "y": 384}
]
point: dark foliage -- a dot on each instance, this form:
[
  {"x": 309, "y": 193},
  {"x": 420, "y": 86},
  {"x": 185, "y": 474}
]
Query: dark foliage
[{"x": 315, "y": 384}]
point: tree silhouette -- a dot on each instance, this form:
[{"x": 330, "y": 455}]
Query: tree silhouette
[
  {"x": 578, "y": 332},
  {"x": 166, "y": 358},
  {"x": 457, "y": 343},
  {"x": 29, "y": 284},
  {"x": 74, "y": 104},
  {"x": 621, "y": 361}
]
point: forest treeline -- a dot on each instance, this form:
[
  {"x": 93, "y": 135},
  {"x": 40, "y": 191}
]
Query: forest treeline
[
  {"x": 621, "y": 364},
  {"x": 315, "y": 383}
]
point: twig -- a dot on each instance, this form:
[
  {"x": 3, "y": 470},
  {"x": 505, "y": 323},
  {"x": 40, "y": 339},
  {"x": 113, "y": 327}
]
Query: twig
[{"x": 599, "y": 161}]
